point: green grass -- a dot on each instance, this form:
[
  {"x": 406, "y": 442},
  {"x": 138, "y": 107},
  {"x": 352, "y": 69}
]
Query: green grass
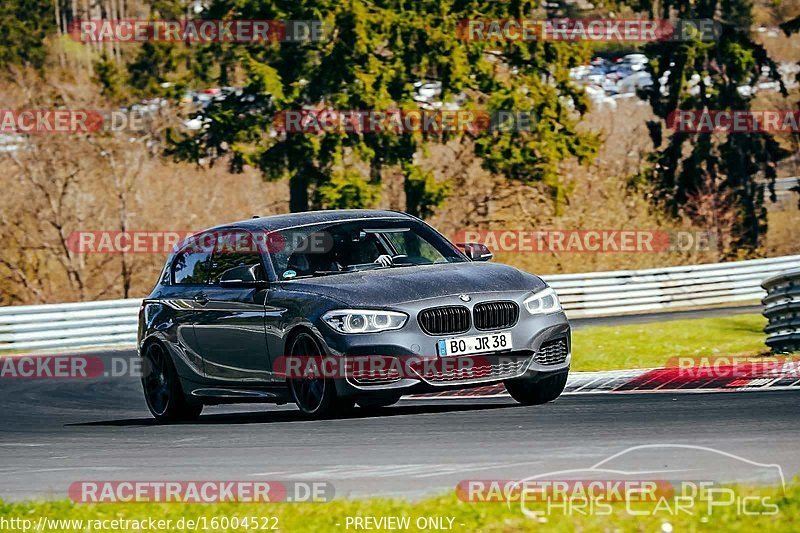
[
  {"x": 651, "y": 345},
  {"x": 13, "y": 352},
  {"x": 469, "y": 517}
]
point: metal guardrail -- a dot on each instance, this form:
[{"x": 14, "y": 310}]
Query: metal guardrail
[
  {"x": 786, "y": 189},
  {"x": 114, "y": 322},
  {"x": 785, "y": 186},
  {"x": 782, "y": 309},
  {"x": 658, "y": 289},
  {"x": 69, "y": 325}
]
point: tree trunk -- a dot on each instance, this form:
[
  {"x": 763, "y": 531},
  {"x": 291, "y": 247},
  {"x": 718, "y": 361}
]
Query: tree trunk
[
  {"x": 298, "y": 192},
  {"x": 59, "y": 29}
]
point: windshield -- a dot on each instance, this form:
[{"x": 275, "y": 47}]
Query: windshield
[{"x": 326, "y": 249}]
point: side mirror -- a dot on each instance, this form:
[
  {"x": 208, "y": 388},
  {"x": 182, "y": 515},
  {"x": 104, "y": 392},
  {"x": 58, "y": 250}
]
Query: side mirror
[
  {"x": 243, "y": 276},
  {"x": 476, "y": 251}
]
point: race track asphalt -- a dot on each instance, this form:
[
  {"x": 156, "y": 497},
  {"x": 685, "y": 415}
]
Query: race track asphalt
[{"x": 56, "y": 432}]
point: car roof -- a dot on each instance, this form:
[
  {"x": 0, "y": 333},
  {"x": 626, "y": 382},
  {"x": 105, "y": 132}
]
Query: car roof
[{"x": 290, "y": 220}]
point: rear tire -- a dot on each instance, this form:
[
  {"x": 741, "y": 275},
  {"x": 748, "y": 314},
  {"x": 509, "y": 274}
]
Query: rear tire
[
  {"x": 545, "y": 390},
  {"x": 162, "y": 388}
]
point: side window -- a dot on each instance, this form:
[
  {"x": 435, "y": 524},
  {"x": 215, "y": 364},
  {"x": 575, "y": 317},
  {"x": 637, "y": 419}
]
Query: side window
[
  {"x": 414, "y": 246},
  {"x": 191, "y": 267},
  {"x": 224, "y": 261}
]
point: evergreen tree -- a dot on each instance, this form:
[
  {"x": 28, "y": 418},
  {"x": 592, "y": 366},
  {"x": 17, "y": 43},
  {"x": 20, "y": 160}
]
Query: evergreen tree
[
  {"x": 707, "y": 74},
  {"x": 23, "y": 26},
  {"x": 372, "y": 54}
]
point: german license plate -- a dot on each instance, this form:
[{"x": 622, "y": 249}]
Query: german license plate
[{"x": 491, "y": 342}]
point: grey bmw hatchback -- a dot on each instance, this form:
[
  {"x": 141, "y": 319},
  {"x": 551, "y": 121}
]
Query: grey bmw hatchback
[{"x": 333, "y": 309}]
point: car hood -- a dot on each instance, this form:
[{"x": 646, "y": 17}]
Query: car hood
[{"x": 385, "y": 287}]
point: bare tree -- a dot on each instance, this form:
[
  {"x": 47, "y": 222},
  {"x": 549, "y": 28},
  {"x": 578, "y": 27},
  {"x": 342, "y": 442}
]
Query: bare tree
[
  {"x": 714, "y": 209},
  {"x": 126, "y": 161}
]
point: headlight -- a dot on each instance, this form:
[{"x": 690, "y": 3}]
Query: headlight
[
  {"x": 364, "y": 320},
  {"x": 543, "y": 302}
]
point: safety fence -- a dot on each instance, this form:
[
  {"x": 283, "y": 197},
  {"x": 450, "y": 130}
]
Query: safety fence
[
  {"x": 114, "y": 322},
  {"x": 782, "y": 309}
]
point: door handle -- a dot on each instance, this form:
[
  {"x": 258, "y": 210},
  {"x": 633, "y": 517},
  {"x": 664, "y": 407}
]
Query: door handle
[{"x": 201, "y": 298}]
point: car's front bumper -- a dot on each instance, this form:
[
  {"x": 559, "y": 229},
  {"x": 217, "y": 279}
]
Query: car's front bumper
[{"x": 412, "y": 343}]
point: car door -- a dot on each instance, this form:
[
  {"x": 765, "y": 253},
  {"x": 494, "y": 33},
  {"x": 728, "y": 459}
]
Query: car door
[
  {"x": 183, "y": 295},
  {"x": 231, "y": 335}
]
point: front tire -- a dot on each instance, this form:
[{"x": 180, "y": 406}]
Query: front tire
[
  {"x": 315, "y": 396},
  {"x": 162, "y": 388},
  {"x": 528, "y": 392}
]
